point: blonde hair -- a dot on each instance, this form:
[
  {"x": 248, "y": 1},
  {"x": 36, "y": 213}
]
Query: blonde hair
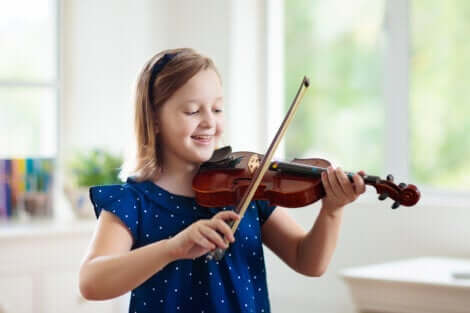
[{"x": 143, "y": 161}]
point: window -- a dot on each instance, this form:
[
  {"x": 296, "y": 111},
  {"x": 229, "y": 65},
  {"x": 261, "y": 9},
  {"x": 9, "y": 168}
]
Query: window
[
  {"x": 28, "y": 78},
  {"x": 370, "y": 106},
  {"x": 440, "y": 93},
  {"x": 338, "y": 45}
]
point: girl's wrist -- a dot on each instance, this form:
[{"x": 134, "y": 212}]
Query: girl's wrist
[
  {"x": 332, "y": 212},
  {"x": 169, "y": 250}
]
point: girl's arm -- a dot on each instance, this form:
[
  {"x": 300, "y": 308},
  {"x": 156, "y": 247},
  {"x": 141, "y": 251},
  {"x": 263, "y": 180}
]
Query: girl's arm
[
  {"x": 310, "y": 253},
  {"x": 111, "y": 269}
]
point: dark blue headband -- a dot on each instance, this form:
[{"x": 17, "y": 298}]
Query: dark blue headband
[{"x": 157, "y": 68}]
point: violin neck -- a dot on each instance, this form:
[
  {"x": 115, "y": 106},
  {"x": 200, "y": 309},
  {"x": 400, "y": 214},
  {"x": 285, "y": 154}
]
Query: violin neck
[{"x": 313, "y": 171}]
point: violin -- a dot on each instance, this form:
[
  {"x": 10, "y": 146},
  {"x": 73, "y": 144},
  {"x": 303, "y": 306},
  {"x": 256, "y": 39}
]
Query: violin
[
  {"x": 237, "y": 178},
  {"x": 224, "y": 179}
]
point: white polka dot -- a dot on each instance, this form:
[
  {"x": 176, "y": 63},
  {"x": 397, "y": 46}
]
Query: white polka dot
[
  {"x": 110, "y": 196},
  {"x": 159, "y": 193},
  {"x": 161, "y": 227},
  {"x": 137, "y": 222},
  {"x": 246, "y": 305},
  {"x": 114, "y": 211},
  {"x": 153, "y": 289},
  {"x": 249, "y": 225},
  {"x": 207, "y": 293},
  {"x": 220, "y": 284},
  {"x": 177, "y": 268},
  {"x": 171, "y": 215},
  {"x": 239, "y": 277},
  {"x": 156, "y": 215},
  {"x": 210, "y": 273},
  {"x": 145, "y": 211},
  {"x": 259, "y": 289},
  {"x": 190, "y": 274},
  {"x": 161, "y": 300},
  {"x": 200, "y": 282},
  {"x": 147, "y": 235},
  {"x": 145, "y": 303},
  {"x": 222, "y": 301},
  {"x": 177, "y": 206},
  {"x": 176, "y": 290},
  {"x": 99, "y": 190},
  {"x": 254, "y": 253},
  {"x": 165, "y": 281},
  {"x": 146, "y": 191},
  {"x": 135, "y": 207},
  {"x": 191, "y": 298},
  {"x": 177, "y": 307},
  {"x": 119, "y": 200},
  {"x": 126, "y": 216},
  {"x": 122, "y": 188}
]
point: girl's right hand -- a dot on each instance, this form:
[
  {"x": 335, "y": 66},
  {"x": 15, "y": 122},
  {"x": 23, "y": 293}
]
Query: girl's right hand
[{"x": 204, "y": 235}]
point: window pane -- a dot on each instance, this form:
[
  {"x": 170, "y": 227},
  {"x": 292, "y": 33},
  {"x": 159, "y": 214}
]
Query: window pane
[
  {"x": 28, "y": 40},
  {"x": 440, "y": 93},
  {"x": 338, "y": 45},
  {"x": 28, "y": 122}
]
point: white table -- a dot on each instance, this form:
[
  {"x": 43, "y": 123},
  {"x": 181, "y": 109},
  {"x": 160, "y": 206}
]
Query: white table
[{"x": 427, "y": 285}]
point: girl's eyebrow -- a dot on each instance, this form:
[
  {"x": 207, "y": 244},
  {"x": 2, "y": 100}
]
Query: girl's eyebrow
[{"x": 198, "y": 101}]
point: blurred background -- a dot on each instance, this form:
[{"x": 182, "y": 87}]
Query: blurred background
[{"x": 388, "y": 95}]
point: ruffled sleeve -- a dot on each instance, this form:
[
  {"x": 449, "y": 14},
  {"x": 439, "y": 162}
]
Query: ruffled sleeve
[
  {"x": 264, "y": 210},
  {"x": 119, "y": 200}
]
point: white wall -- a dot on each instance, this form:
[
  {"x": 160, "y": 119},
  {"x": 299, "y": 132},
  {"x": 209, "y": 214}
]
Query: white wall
[{"x": 106, "y": 42}]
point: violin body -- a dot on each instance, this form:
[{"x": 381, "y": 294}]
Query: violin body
[{"x": 226, "y": 186}]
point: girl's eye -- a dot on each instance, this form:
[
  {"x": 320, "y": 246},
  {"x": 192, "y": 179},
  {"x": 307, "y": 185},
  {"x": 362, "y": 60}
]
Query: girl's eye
[
  {"x": 191, "y": 113},
  {"x": 218, "y": 110}
]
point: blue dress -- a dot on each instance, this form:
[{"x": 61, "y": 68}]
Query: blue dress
[{"x": 237, "y": 283}]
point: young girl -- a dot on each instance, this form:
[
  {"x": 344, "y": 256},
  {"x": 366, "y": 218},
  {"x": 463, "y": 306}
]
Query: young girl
[{"x": 152, "y": 236}]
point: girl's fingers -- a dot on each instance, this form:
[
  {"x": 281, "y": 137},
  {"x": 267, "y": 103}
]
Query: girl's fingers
[
  {"x": 203, "y": 242},
  {"x": 227, "y": 215},
  {"x": 345, "y": 184},
  {"x": 224, "y": 229},
  {"x": 213, "y": 236},
  {"x": 334, "y": 184}
]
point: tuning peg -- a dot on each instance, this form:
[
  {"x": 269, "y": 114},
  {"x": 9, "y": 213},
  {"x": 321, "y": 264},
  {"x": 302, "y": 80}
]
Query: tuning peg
[
  {"x": 402, "y": 185},
  {"x": 390, "y": 177},
  {"x": 383, "y": 196},
  {"x": 395, "y": 205}
]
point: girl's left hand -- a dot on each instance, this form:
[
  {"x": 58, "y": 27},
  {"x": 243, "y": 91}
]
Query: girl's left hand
[{"x": 339, "y": 190}]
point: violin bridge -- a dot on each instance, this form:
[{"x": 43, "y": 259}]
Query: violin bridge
[{"x": 253, "y": 163}]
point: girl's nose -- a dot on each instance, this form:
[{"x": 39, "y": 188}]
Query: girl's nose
[{"x": 208, "y": 119}]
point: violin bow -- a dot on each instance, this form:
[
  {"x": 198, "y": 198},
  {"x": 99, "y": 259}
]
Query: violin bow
[{"x": 218, "y": 253}]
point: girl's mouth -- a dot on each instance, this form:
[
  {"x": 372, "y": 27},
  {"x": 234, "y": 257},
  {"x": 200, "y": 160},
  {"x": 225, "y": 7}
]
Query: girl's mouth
[{"x": 203, "y": 139}]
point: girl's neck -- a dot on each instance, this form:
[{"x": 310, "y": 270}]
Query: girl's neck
[{"x": 178, "y": 182}]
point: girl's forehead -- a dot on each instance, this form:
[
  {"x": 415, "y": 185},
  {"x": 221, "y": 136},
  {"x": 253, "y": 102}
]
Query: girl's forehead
[{"x": 205, "y": 84}]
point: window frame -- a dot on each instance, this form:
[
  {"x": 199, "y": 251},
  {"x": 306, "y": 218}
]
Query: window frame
[
  {"x": 54, "y": 85},
  {"x": 396, "y": 90}
]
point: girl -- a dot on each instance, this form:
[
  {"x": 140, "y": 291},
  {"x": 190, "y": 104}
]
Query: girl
[{"x": 151, "y": 235}]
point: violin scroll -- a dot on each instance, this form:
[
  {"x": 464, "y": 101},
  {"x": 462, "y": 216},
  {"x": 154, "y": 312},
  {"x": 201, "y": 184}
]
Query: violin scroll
[{"x": 403, "y": 194}]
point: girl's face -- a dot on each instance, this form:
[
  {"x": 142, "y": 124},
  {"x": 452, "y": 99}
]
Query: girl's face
[{"x": 190, "y": 123}]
